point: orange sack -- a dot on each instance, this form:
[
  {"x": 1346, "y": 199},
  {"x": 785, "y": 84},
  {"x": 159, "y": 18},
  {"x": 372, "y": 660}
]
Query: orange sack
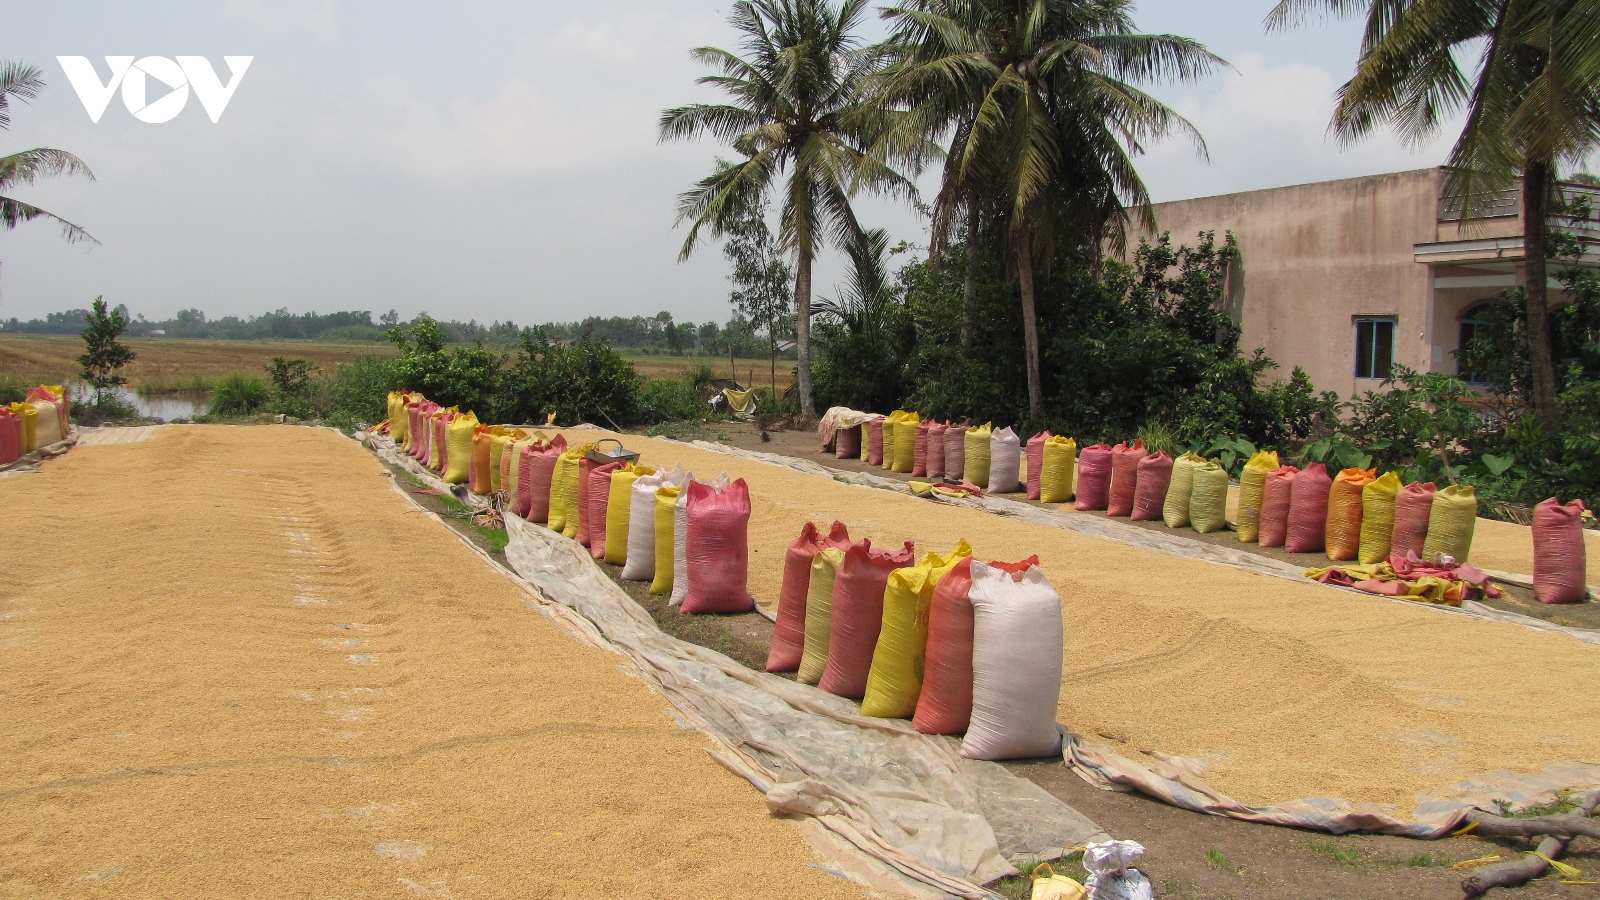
[
  {"x": 1125, "y": 477},
  {"x": 1343, "y": 528},
  {"x": 1411, "y": 510},
  {"x": 478, "y": 469}
]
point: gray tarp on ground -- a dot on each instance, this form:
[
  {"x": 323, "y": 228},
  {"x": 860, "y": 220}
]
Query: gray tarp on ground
[
  {"x": 905, "y": 798},
  {"x": 1169, "y": 778}
]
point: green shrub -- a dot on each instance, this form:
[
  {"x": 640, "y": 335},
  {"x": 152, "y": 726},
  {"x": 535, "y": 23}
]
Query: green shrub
[
  {"x": 238, "y": 394},
  {"x": 670, "y": 399},
  {"x": 583, "y": 382},
  {"x": 358, "y": 392}
]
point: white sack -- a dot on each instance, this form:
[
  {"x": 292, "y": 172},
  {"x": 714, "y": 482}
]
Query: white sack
[
  {"x": 1005, "y": 462},
  {"x": 1017, "y": 643}
]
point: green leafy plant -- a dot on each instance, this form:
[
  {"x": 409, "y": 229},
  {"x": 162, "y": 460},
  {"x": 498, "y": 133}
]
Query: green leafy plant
[
  {"x": 238, "y": 394},
  {"x": 291, "y": 387},
  {"x": 104, "y": 356}
]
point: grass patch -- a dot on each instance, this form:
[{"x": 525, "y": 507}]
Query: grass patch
[
  {"x": 1427, "y": 861},
  {"x": 680, "y": 431},
  {"x": 1340, "y": 853},
  {"x": 1216, "y": 859},
  {"x": 1564, "y": 802},
  {"x": 1020, "y": 886}
]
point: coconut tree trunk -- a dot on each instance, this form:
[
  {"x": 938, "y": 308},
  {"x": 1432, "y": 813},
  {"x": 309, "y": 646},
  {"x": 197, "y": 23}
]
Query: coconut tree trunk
[
  {"x": 802, "y": 330},
  {"x": 1030, "y": 322},
  {"x": 1535, "y": 228},
  {"x": 969, "y": 285}
]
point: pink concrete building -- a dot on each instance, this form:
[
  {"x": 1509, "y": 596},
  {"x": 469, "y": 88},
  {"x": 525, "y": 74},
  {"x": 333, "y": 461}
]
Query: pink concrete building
[{"x": 1346, "y": 278}]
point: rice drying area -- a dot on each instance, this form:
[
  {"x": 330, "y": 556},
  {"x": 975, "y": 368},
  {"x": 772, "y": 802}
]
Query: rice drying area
[{"x": 252, "y": 659}]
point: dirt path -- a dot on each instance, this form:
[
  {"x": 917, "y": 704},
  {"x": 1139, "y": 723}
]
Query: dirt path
[{"x": 234, "y": 662}]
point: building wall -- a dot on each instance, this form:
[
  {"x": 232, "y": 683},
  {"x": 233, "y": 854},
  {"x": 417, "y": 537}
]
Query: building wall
[{"x": 1315, "y": 257}]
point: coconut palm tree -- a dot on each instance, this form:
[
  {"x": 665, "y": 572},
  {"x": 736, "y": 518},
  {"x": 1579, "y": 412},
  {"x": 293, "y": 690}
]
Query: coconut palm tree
[
  {"x": 24, "y": 82},
  {"x": 797, "y": 116},
  {"x": 1038, "y": 102},
  {"x": 1532, "y": 102}
]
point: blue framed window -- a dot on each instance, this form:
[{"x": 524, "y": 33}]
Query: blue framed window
[{"x": 1374, "y": 347}]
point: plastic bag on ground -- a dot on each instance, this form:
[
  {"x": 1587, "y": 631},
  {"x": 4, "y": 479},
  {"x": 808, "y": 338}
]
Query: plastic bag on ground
[
  {"x": 1208, "y": 497},
  {"x": 666, "y": 517},
  {"x": 719, "y": 549},
  {"x": 955, "y": 450},
  {"x": 856, "y": 615},
  {"x": 895, "y": 679},
  {"x": 819, "y": 615},
  {"x": 1005, "y": 461},
  {"x": 1343, "y": 530},
  {"x": 905, "y": 443},
  {"x": 919, "y": 461},
  {"x": 1560, "y": 564},
  {"x": 599, "y": 506},
  {"x": 1150, "y": 496},
  {"x": 1060, "y": 460},
  {"x": 945, "y": 704},
  {"x": 875, "y": 430},
  {"x": 540, "y": 477},
  {"x": 1036, "y": 464},
  {"x": 1252, "y": 493},
  {"x": 1017, "y": 647},
  {"x": 1175, "y": 510},
  {"x": 1111, "y": 872},
  {"x": 1047, "y": 885},
  {"x": 1124, "y": 477},
  {"x": 935, "y": 462},
  {"x": 1094, "y": 478},
  {"x": 1451, "y": 522},
  {"x": 1377, "y": 519},
  {"x": 789, "y": 632},
  {"x": 975, "y": 465},
  {"x": 459, "y": 441},
  {"x": 619, "y": 511},
  {"x": 1308, "y": 510},
  {"x": 1412, "y": 507},
  {"x": 847, "y": 443},
  {"x": 1275, "y": 502}
]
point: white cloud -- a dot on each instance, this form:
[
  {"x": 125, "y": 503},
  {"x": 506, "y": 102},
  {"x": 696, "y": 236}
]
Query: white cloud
[{"x": 319, "y": 17}]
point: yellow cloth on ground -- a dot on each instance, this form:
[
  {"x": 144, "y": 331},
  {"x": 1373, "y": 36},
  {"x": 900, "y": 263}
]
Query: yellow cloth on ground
[
  {"x": 1252, "y": 489},
  {"x": 1451, "y": 521},
  {"x": 977, "y": 439},
  {"x": 666, "y": 509},
  {"x": 1055, "y": 476},
  {"x": 895, "y": 680},
  {"x": 819, "y": 615},
  {"x": 1422, "y": 588},
  {"x": 741, "y": 402},
  {"x": 619, "y": 509},
  {"x": 458, "y": 437},
  {"x": 1377, "y": 518}
]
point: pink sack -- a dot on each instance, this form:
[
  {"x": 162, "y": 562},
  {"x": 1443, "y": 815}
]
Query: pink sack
[
  {"x": 858, "y": 615},
  {"x": 1275, "y": 497},
  {"x": 599, "y": 501},
  {"x": 10, "y": 436},
  {"x": 955, "y": 449},
  {"x": 789, "y": 633},
  {"x": 936, "y": 432},
  {"x": 875, "y": 441},
  {"x": 1036, "y": 463},
  {"x": 1560, "y": 569},
  {"x": 718, "y": 549},
  {"x": 919, "y": 456},
  {"x": 1150, "y": 497},
  {"x": 847, "y": 443},
  {"x": 1412, "y": 507},
  {"x": 525, "y": 472},
  {"x": 1094, "y": 478},
  {"x": 1125, "y": 459},
  {"x": 536, "y": 482},
  {"x": 1308, "y": 510}
]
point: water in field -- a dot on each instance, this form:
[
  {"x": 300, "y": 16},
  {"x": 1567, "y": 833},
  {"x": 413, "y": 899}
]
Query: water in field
[{"x": 155, "y": 406}]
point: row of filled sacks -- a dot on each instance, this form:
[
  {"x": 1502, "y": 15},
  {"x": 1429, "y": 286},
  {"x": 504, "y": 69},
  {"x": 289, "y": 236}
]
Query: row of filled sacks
[
  {"x": 40, "y": 420},
  {"x": 957, "y": 645}
]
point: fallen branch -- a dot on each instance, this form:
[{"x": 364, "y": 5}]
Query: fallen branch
[{"x": 1558, "y": 831}]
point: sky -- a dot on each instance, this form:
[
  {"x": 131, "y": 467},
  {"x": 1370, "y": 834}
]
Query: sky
[{"x": 499, "y": 160}]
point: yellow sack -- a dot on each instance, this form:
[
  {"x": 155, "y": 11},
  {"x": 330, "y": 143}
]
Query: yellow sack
[
  {"x": 499, "y": 436},
  {"x": 905, "y": 443},
  {"x": 1451, "y": 521},
  {"x": 819, "y": 615},
  {"x": 666, "y": 517},
  {"x": 1377, "y": 518},
  {"x": 1175, "y": 510},
  {"x": 1055, "y": 476},
  {"x": 1208, "y": 497},
  {"x": 619, "y": 508},
  {"x": 30, "y": 426},
  {"x": 1252, "y": 490},
  {"x": 977, "y": 453},
  {"x": 397, "y": 426},
  {"x": 564, "y": 493},
  {"x": 895, "y": 680},
  {"x": 891, "y": 430},
  {"x": 458, "y": 436},
  {"x": 1050, "y": 886}
]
